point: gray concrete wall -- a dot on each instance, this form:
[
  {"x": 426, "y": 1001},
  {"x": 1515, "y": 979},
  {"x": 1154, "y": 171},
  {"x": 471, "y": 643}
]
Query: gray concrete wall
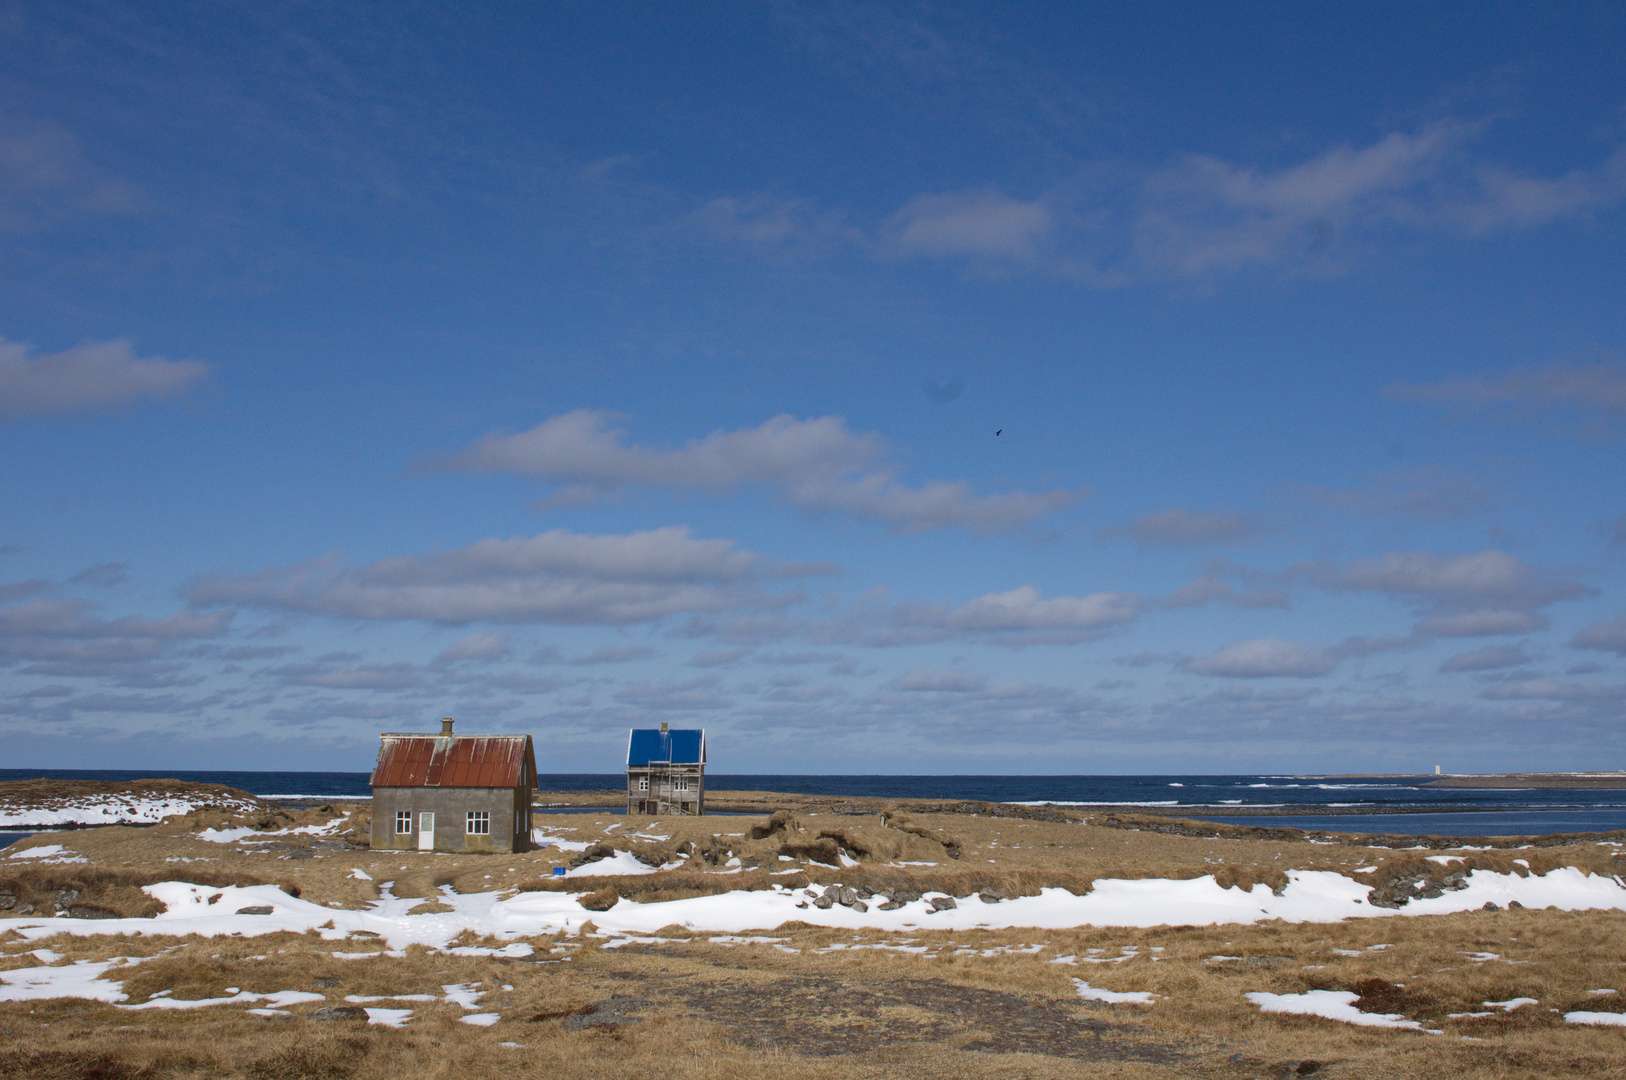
[{"x": 509, "y": 809}]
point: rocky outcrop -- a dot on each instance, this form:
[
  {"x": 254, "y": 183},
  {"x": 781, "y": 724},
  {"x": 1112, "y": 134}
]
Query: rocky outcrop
[{"x": 1404, "y": 886}]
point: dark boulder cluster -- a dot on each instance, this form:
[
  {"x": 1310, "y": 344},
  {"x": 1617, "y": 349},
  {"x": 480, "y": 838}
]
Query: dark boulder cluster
[
  {"x": 1398, "y": 891},
  {"x": 890, "y": 899}
]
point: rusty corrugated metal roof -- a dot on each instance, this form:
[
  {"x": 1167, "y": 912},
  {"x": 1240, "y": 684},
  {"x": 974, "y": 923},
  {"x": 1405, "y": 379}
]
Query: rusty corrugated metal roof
[{"x": 474, "y": 761}]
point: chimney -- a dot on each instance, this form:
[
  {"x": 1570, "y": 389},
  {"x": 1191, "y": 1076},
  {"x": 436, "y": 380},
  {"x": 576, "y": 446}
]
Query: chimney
[
  {"x": 446, "y": 727},
  {"x": 663, "y": 727}
]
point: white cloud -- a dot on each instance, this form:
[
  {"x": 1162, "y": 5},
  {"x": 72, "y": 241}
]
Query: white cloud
[
  {"x": 89, "y": 378},
  {"x": 44, "y": 181},
  {"x": 350, "y": 676},
  {"x": 70, "y": 619},
  {"x": 776, "y": 227},
  {"x": 697, "y": 694},
  {"x": 1489, "y": 658},
  {"x": 1486, "y": 623},
  {"x": 981, "y": 224},
  {"x": 1609, "y": 636},
  {"x": 1023, "y": 608},
  {"x": 1015, "y": 618},
  {"x": 717, "y": 657},
  {"x": 624, "y": 654},
  {"x": 1359, "y": 646},
  {"x": 1484, "y": 574},
  {"x": 1508, "y": 200},
  {"x": 1203, "y": 215},
  {"x": 477, "y": 646},
  {"x": 816, "y": 465},
  {"x": 1416, "y": 493},
  {"x": 1472, "y": 595},
  {"x": 1203, "y": 590},
  {"x": 556, "y": 577},
  {"x": 925, "y": 680},
  {"x": 1020, "y": 616},
  {"x": 65, "y": 636},
  {"x": 1180, "y": 527},
  {"x": 1597, "y": 389},
  {"x": 1552, "y": 690},
  {"x": 1265, "y": 658},
  {"x": 1200, "y": 216}
]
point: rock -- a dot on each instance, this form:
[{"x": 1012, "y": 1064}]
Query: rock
[
  {"x": 606, "y": 1015},
  {"x": 326, "y": 982},
  {"x": 8, "y": 900},
  {"x": 846, "y": 896},
  {"x": 591, "y": 855},
  {"x": 1491, "y": 907},
  {"x": 338, "y": 1012},
  {"x": 1513, "y": 905},
  {"x": 943, "y": 903},
  {"x": 891, "y": 905},
  {"x": 256, "y": 909},
  {"x": 859, "y": 906},
  {"x": 91, "y": 911},
  {"x": 991, "y": 896},
  {"x": 65, "y": 898},
  {"x": 825, "y": 902}
]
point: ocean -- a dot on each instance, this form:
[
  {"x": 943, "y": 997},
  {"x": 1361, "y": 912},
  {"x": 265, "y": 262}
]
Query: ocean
[{"x": 1356, "y": 804}]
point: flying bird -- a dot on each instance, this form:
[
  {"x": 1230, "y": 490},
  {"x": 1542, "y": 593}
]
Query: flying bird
[{"x": 996, "y": 434}]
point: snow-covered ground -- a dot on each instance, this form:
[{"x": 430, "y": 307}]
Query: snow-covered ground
[
  {"x": 47, "y": 853},
  {"x": 113, "y": 808},
  {"x": 90, "y": 980},
  {"x": 1310, "y": 896}
]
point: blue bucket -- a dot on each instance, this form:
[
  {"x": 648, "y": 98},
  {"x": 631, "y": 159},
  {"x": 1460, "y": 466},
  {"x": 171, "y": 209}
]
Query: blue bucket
[{"x": 558, "y": 871}]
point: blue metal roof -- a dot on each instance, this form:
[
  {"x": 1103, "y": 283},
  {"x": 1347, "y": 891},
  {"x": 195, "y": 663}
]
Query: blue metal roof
[{"x": 679, "y": 747}]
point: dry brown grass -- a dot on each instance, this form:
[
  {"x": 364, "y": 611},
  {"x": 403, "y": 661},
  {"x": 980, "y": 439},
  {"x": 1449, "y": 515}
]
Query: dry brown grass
[
  {"x": 714, "y": 1011},
  {"x": 972, "y": 1005}
]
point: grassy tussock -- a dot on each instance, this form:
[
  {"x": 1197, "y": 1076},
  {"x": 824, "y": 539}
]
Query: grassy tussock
[
  {"x": 109, "y": 891},
  {"x": 1432, "y": 966},
  {"x": 1424, "y": 972}
]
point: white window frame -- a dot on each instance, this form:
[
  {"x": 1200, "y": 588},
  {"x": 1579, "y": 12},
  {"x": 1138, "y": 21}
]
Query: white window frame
[
  {"x": 403, "y": 823},
  {"x": 681, "y": 785},
  {"x": 477, "y": 823}
]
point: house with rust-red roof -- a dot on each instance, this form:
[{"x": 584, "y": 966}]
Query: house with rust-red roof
[{"x": 453, "y": 792}]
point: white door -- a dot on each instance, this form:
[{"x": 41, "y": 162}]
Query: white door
[{"x": 426, "y": 831}]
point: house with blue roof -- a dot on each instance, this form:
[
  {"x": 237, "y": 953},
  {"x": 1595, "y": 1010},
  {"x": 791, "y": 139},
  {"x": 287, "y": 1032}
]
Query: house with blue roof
[{"x": 666, "y": 771}]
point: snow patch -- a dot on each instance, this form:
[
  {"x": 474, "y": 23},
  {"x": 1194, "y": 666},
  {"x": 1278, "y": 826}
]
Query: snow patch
[
  {"x": 1128, "y": 997},
  {"x": 1330, "y": 1004},
  {"x": 1596, "y": 1019}
]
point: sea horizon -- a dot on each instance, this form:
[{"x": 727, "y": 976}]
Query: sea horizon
[{"x": 1375, "y": 803}]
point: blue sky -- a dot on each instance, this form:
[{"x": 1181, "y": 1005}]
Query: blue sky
[{"x": 565, "y": 368}]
